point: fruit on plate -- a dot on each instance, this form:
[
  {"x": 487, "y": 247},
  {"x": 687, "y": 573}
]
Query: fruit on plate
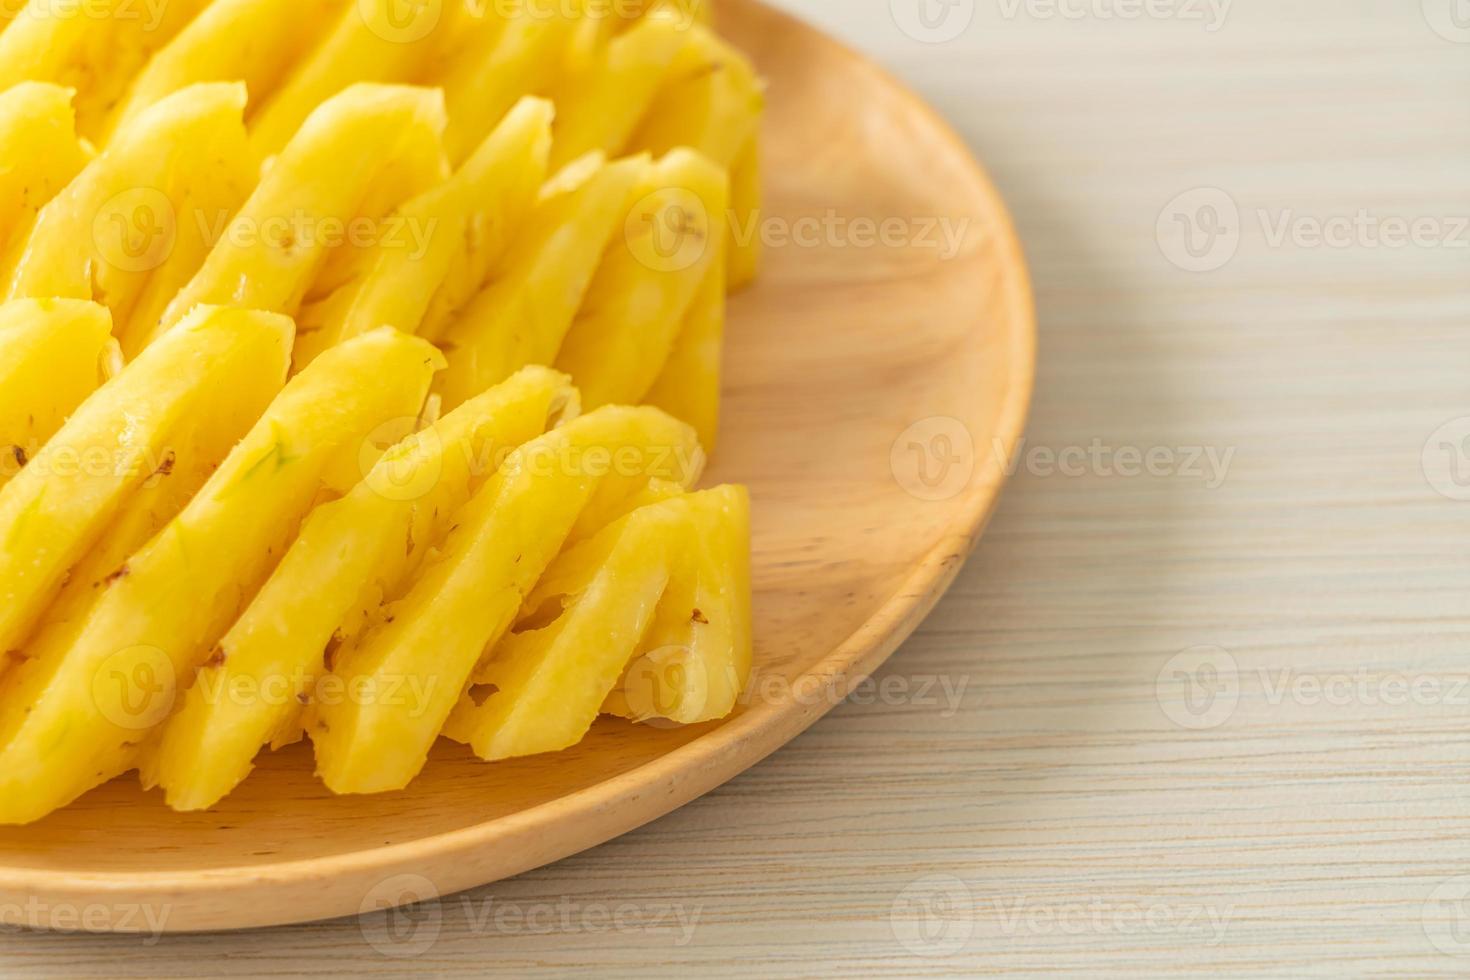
[
  {"x": 75, "y": 714},
  {"x": 429, "y": 641},
  {"x": 358, "y": 366},
  {"x": 670, "y": 578},
  {"x": 349, "y": 559},
  {"x": 50, "y": 361}
]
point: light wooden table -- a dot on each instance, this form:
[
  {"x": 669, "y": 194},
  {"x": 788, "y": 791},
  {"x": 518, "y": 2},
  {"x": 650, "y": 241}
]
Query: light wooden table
[{"x": 1213, "y": 717}]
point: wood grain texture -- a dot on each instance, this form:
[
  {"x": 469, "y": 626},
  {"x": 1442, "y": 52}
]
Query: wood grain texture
[{"x": 1085, "y": 827}]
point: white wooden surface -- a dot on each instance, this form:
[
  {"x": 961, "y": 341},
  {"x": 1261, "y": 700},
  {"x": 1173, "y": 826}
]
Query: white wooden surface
[{"x": 1033, "y": 791}]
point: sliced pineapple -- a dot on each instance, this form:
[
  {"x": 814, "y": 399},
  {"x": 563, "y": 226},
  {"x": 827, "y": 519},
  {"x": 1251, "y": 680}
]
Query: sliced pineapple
[
  {"x": 74, "y": 717},
  {"x": 371, "y": 41},
  {"x": 220, "y": 365},
  {"x": 524, "y": 313},
  {"x": 601, "y": 107},
  {"x": 446, "y": 239},
  {"x": 671, "y": 578},
  {"x": 273, "y": 251},
  {"x": 688, "y": 388},
  {"x": 521, "y": 56},
  {"x": 712, "y": 100},
  {"x": 210, "y": 49},
  {"x": 429, "y": 642},
  {"x": 630, "y": 318},
  {"x": 349, "y": 557},
  {"x": 697, "y": 654},
  {"x": 40, "y": 153},
  {"x": 50, "y": 362},
  {"x": 133, "y": 213},
  {"x": 96, "y": 47}
]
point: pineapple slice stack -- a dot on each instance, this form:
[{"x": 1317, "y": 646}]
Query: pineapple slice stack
[{"x": 358, "y": 363}]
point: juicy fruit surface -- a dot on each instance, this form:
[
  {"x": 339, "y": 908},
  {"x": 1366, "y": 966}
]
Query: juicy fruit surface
[{"x": 358, "y": 363}]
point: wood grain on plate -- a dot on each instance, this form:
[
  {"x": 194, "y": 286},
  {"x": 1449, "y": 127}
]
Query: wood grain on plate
[{"x": 871, "y": 372}]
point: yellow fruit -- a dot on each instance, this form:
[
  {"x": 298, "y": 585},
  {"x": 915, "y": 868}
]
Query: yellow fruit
[
  {"x": 220, "y": 367},
  {"x": 40, "y": 153},
  {"x": 671, "y": 578},
  {"x": 50, "y": 361},
  {"x": 600, "y": 108},
  {"x": 688, "y": 388},
  {"x": 96, "y": 47},
  {"x": 419, "y": 661},
  {"x": 524, "y": 313},
  {"x": 210, "y": 49},
  {"x": 621, "y": 339},
  {"x": 698, "y": 651},
  {"x": 75, "y": 716},
  {"x": 445, "y": 239},
  {"x": 271, "y": 253},
  {"x": 133, "y": 214},
  {"x": 350, "y": 555}
]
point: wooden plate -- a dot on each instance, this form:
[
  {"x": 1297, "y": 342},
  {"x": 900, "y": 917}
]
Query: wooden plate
[{"x": 877, "y": 379}]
